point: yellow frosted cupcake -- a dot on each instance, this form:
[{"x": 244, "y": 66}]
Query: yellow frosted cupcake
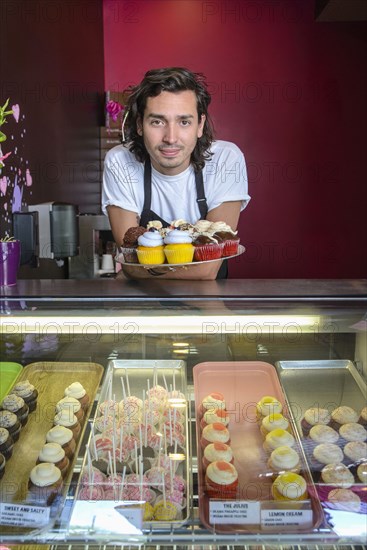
[
  {"x": 290, "y": 487},
  {"x": 178, "y": 249},
  {"x": 150, "y": 249}
]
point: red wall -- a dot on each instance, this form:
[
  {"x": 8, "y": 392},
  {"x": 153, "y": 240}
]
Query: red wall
[{"x": 290, "y": 92}]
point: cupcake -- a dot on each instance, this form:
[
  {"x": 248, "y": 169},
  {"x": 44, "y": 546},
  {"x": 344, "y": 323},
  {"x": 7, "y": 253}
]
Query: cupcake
[
  {"x": 72, "y": 405},
  {"x": 353, "y": 432},
  {"x": 178, "y": 247},
  {"x": 343, "y": 499},
  {"x": 322, "y": 434},
  {"x": 76, "y": 390},
  {"x": 272, "y": 422},
  {"x": 337, "y": 475},
  {"x": 55, "y": 454},
  {"x": 165, "y": 511},
  {"x": 6, "y": 443},
  {"x": 150, "y": 248},
  {"x": 314, "y": 416},
  {"x": 225, "y": 234},
  {"x": 215, "y": 415},
  {"x": 284, "y": 459},
  {"x": 16, "y": 405},
  {"x": 63, "y": 436},
  {"x": 324, "y": 453},
  {"x": 10, "y": 421},
  {"x": 67, "y": 419},
  {"x": 362, "y": 473},
  {"x": 268, "y": 405},
  {"x": 45, "y": 483},
  {"x": 278, "y": 438},
  {"x": 28, "y": 393},
  {"x": 363, "y": 417},
  {"x": 2, "y": 465},
  {"x": 343, "y": 415},
  {"x": 130, "y": 244},
  {"x": 212, "y": 401},
  {"x": 214, "y": 432},
  {"x": 290, "y": 487},
  {"x": 217, "y": 451},
  {"x": 221, "y": 480},
  {"x": 354, "y": 453},
  {"x": 206, "y": 247}
]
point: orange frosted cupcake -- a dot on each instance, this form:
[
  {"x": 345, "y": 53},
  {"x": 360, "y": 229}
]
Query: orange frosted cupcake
[
  {"x": 221, "y": 480},
  {"x": 217, "y": 451},
  {"x": 216, "y": 415},
  {"x": 215, "y": 432}
]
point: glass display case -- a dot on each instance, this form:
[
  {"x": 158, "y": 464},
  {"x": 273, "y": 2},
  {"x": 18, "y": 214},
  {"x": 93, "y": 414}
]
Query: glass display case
[{"x": 301, "y": 342}]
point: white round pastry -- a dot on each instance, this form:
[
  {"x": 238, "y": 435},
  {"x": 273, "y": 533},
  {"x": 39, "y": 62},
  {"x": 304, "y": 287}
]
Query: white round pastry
[
  {"x": 326, "y": 453},
  {"x": 278, "y": 438},
  {"x": 59, "y": 434},
  {"x": 51, "y": 452},
  {"x": 45, "y": 474},
  {"x": 283, "y": 458},
  {"x": 337, "y": 475},
  {"x": 315, "y": 415},
  {"x": 75, "y": 390},
  {"x": 356, "y": 450},
  {"x": 344, "y": 499},
  {"x": 218, "y": 451},
  {"x": 353, "y": 431},
  {"x": 150, "y": 239},
  {"x": 344, "y": 415},
  {"x": 323, "y": 434}
]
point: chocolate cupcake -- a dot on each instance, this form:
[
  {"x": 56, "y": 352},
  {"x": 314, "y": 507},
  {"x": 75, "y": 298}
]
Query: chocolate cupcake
[
  {"x": 76, "y": 390},
  {"x": 315, "y": 416},
  {"x": 325, "y": 453},
  {"x": 16, "y": 405},
  {"x": 2, "y": 465},
  {"x": 45, "y": 483},
  {"x": 337, "y": 475},
  {"x": 206, "y": 248},
  {"x": 70, "y": 404},
  {"x": 63, "y": 436},
  {"x": 363, "y": 417},
  {"x": 353, "y": 432},
  {"x": 355, "y": 452},
  {"x": 320, "y": 434},
  {"x": 28, "y": 392},
  {"x": 362, "y": 473},
  {"x": 6, "y": 443},
  {"x": 55, "y": 454},
  {"x": 130, "y": 244},
  {"x": 68, "y": 419},
  {"x": 10, "y": 421},
  {"x": 343, "y": 415}
]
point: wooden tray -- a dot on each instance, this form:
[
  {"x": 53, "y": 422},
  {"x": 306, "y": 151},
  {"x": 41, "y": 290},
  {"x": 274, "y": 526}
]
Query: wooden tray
[
  {"x": 243, "y": 384},
  {"x": 50, "y": 379}
]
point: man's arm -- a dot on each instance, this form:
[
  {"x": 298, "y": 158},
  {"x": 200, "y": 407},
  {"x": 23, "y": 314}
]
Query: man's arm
[{"x": 120, "y": 221}]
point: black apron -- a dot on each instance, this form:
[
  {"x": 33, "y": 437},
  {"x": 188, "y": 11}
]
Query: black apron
[{"x": 148, "y": 215}]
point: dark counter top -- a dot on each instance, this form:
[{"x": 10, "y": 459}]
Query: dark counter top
[{"x": 231, "y": 289}]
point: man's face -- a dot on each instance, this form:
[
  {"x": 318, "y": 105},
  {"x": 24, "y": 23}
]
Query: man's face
[{"x": 170, "y": 129}]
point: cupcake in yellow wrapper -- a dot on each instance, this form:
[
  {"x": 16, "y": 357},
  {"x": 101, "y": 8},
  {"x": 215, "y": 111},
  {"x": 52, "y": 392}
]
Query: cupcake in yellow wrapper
[
  {"x": 178, "y": 249},
  {"x": 165, "y": 511},
  {"x": 150, "y": 248},
  {"x": 290, "y": 487},
  {"x": 179, "y": 253}
]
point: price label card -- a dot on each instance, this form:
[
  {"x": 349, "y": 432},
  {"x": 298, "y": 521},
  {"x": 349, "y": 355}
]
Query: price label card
[
  {"x": 290, "y": 518},
  {"x": 234, "y": 511},
  {"x": 24, "y": 515}
]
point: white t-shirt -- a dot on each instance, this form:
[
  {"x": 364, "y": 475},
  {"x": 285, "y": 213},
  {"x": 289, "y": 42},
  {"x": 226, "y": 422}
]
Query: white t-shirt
[{"x": 174, "y": 197}]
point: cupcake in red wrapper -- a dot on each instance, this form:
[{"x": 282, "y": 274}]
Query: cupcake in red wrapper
[
  {"x": 221, "y": 480},
  {"x": 214, "y": 400},
  {"x": 45, "y": 483},
  {"x": 207, "y": 248},
  {"x": 215, "y": 415},
  {"x": 68, "y": 420},
  {"x": 215, "y": 432},
  {"x": 55, "y": 454},
  {"x": 225, "y": 234},
  {"x": 63, "y": 436},
  {"x": 217, "y": 451},
  {"x": 77, "y": 391}
]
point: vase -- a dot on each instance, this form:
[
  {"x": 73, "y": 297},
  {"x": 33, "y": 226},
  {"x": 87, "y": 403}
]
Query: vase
[{"x": 9, "y": 262}]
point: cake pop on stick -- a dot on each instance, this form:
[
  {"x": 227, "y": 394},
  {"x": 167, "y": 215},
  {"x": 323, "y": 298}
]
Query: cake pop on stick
[
  {"x": 122, "y": 482},
  {"x": 127, "y": 382}
]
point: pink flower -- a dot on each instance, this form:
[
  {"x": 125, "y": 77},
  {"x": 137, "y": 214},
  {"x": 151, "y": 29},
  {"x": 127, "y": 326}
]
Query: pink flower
[{"x": 114, "y": 108}]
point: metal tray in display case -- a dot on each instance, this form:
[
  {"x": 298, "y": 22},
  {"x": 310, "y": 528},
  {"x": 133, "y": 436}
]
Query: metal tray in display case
[
  {"x": 165, "y": 384},
  {"x": 324, "y": 384}
]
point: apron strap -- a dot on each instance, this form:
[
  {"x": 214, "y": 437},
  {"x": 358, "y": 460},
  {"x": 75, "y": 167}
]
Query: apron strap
[
  {"x": 147, "y": 184},
  {"x": 200, "y": 194}
]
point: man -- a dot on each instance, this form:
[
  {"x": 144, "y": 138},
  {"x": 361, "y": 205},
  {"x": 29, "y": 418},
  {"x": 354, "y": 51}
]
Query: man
[{"x": 169, "y": 167}]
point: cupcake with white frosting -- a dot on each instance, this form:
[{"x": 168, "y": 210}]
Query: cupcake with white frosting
[
  {"x": 16, "y": 405},
  {"x": 55, "y": 454},
  {"x": 272, "y": 422},
  {"x": 217, "y": 451},
  {"x": 221, "y": 480},
  {"x": 45, "y": 483},
  {"x": 63, "y": 436},
  {"x": 353, "y": 432},
  {"x": 284, "y": 459},
  {"x": 67, "y": 419},
  {"x": 343, "y": 415},
  {"x": 178, "y": 247},
  {"x": 337, "y": 475},
  {"x": 77, "y": 391},
  {"x": 27, "y": 392},
  {"x": 278, "y": 438},
  {"x": 10, "y": 421},
  {"x": 315, "y": 416},
  {"x": 71, "y": 404},
  {"x": 150, "y": 248},
  {"x": 324, "y": 453}
]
